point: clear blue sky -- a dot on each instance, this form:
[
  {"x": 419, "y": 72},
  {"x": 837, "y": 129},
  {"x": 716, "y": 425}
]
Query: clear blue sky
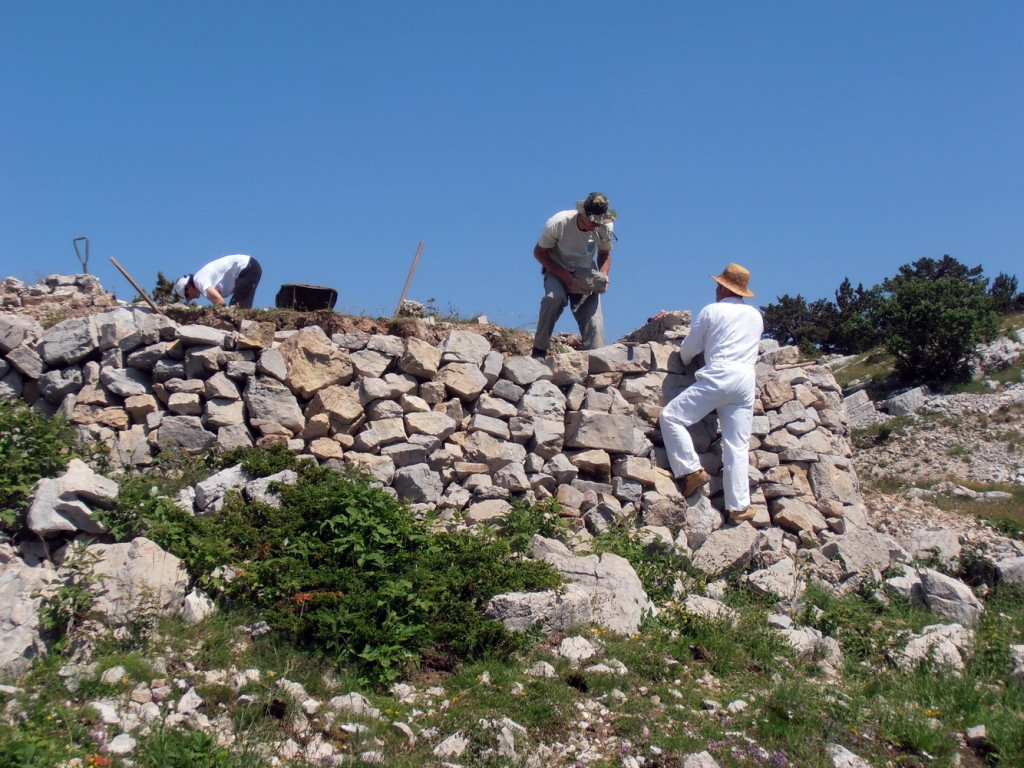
[{"x": 809, "y": 141}]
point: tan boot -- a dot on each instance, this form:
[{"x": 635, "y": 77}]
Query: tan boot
[
  {"x": 692, "y": 482},
  {"x": 737, "y": 516}
]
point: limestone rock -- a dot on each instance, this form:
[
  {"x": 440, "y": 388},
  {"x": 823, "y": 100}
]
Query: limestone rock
[
  {"x": 465, "y": 347},
  {"x": 619, "y": 600},
  {"x": 726, "y": 549},
  {"x": 554, "y": 610},
  {"x": 943, "y": 645},
  {"x": 420, "y": 359},
  {"x": 949, "y": 598},
  {"x": 463, "y": 380},
  {"x": 313, "y": 363},
  {"x": 592, "y": 429},
  {"x": 136, "y": 576},
  {"x": 20, "y": 599}
]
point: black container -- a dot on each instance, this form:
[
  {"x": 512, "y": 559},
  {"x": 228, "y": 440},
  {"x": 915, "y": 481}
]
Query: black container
[{"x": 305, "y": 298}]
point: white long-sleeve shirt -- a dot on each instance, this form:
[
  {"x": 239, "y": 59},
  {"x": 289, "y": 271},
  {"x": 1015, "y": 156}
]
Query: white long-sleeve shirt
[{"x": 727, "y": 332}]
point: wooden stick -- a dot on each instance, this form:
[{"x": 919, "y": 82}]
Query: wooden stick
[
  {"x": 787, "y": 366},
  {"x": 135, "y": 285},
  {"x": 409, "y": 279}
]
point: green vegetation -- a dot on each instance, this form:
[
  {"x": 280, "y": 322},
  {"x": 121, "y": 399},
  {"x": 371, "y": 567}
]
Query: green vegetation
[
  {"x": 873, "y": 368},
  {"x": 360, "y": 592},
  {"x": 659, "y": 567},
  {"x": 1006, "y": 514},
  {"x": 343, "y": 568},
  {"x": 931, "y": 316},
  {"x": 928, "y": 318},
  {"x": 960, "y": 451},
  {"x": 876, "y": 434},
  {"x": 843, "y": 327},
  {"x": 163, "y": 293},
  {"x": 658, "y": 707},
  {"x": 450, "y": 315},
  {"x": 32, "y": 446}
]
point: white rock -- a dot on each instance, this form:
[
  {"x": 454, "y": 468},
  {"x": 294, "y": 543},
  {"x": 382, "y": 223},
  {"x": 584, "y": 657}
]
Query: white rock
[{"x": 120, "y": 745}]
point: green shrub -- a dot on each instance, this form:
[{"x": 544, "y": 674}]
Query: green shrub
[
  {"x": 720, "y": 643},
  {"x": 345, "y": 569},
  {"x": 519, "y": 525},
  {"x": 261, "y": 462},
  {"x": 66, "y": 605},
  {"x": 863, "y": 626},
  {"x": 145, "y": 502},
  {"x": 932, "y": 315},
  {"x": 32, "y": 446}
]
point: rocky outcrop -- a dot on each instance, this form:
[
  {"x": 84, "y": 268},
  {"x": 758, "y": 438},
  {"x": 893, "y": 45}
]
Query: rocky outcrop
[{"x": 20, "y": 599}]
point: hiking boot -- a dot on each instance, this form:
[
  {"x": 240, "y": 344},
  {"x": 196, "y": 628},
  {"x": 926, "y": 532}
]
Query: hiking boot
[
  {"x": 737, "y": 516},
  {"x": 691, "y": 483},
  {"x": 538, "y": 354}
]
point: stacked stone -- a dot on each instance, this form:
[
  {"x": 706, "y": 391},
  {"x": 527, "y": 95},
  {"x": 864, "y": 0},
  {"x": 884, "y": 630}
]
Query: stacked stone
[
  {"x": 457, "y": 426},
  {"x": 55, "y": 296},
  {"x": 801, "y": 457}
]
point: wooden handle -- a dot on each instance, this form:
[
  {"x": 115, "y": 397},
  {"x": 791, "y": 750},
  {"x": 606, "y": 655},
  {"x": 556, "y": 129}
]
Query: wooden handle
[
  {"x": 135, "y": 285},
  {"x": 787, "y": 366}
]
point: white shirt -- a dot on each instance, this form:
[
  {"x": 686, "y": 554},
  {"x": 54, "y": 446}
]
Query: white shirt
[
  {"x": 728, "y": 332},
  {"x": 221, "y": 274}
]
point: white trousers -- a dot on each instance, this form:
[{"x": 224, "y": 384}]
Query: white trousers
[{"x": 729, "y": 390}]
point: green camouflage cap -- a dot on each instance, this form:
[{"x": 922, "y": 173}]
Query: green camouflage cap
[{"x": 595, "y": 208}]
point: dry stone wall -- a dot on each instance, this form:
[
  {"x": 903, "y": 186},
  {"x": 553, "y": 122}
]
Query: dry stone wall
[
  {"x": 55, "y": 295},
  {"x": 457, "y": 426}
]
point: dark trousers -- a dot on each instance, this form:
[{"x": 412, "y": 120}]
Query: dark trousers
[{"x": 245, "y": 285}]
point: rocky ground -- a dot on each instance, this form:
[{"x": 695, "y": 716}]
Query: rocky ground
[
  {"x": 976, "y": 439},
  {"x": 962, "y": 437}
]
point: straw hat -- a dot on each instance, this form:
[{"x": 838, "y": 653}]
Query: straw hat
[{"x": 734, "y": 278}]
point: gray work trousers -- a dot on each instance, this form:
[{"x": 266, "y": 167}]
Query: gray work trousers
[{"x": 587, "y": 313}]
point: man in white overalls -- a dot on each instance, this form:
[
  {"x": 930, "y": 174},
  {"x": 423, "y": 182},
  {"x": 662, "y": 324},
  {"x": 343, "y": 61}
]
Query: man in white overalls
[{"x": 728, "y": 333}]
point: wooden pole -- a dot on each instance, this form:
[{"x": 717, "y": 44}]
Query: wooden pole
[
  {"x": 409, "y": 279},
  {"x": 135, "y": 285},
  {"x": 787, "y": 366}
]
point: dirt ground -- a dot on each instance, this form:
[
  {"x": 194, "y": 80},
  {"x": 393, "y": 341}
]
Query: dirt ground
[{"x": 506, "y": 340}]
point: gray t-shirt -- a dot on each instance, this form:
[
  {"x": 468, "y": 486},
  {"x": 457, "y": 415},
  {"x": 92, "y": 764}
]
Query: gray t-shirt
[{"x": 571, "y": 247}]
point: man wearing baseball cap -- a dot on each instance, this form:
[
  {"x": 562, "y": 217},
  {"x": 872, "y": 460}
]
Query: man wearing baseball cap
[
  {"x": 236, "y": 276},
  {"x": 566, "y": 250},
  {"x": 728, "y": 332}
]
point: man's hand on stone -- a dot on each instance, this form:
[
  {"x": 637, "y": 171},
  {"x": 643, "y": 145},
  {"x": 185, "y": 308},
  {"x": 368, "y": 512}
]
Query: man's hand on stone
[{"x": 572, "y": 285}]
